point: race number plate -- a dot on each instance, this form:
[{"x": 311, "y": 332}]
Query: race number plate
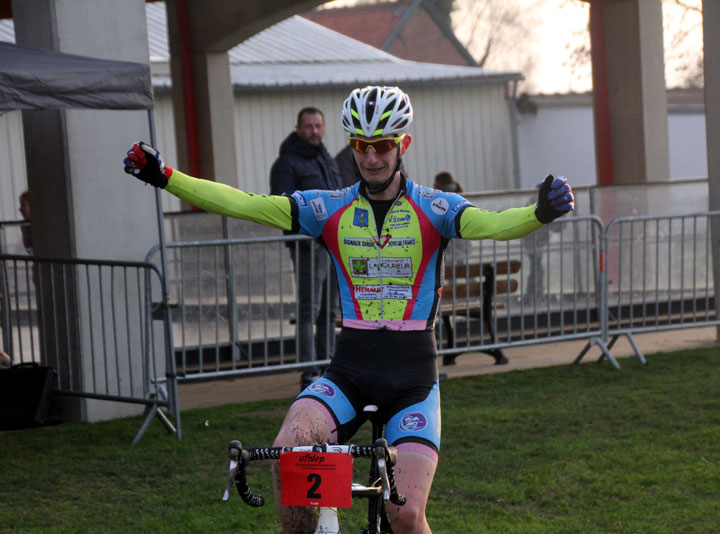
[{"x": 316, "y": 479}]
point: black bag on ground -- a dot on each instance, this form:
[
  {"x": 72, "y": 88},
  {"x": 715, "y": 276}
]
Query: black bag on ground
[{"x": 24, "y": 395}]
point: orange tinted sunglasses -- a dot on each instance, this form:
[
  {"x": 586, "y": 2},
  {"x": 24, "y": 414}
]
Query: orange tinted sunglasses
[{"x": 379, "y": 146}]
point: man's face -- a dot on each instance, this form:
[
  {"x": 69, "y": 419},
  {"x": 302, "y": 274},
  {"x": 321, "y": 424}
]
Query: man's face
[
  {"x": 311, "y": 128},
  {"x": 377, "y": 168}
]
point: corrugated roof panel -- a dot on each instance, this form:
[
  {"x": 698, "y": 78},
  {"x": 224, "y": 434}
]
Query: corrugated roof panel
[
  {"x": 369, "y": 72},
  {"x": 298, "y": 40}
]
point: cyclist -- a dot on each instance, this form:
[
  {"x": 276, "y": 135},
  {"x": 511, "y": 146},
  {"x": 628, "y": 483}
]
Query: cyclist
[{"x": 386, "y": 236}]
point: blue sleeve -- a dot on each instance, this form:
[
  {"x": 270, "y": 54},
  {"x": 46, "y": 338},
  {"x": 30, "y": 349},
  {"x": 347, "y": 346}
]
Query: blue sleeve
[
  {"x": 313, "y": 211},
  {"x": 443, "y": 209}
]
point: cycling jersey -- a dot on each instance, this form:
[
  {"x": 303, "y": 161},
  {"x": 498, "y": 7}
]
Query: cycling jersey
[{"x": 389, "y": 280}]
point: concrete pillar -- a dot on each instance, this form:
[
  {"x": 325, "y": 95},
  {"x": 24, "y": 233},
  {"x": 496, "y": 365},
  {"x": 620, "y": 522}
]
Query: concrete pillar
[
  {"x": 83, "y": 205},
  {"x": 202, "y": 99},
  {"x": 637, "y": 101},
  {"x": 200, "y": 34},
  {"x": 711, "y": 21}
]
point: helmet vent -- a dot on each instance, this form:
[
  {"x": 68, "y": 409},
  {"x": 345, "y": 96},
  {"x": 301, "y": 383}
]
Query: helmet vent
[{"x": 370, "y": 106}]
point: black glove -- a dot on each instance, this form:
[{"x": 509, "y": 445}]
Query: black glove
[
  {"x": 146, "y": 164},
  {"x": 555, "y": 198}
]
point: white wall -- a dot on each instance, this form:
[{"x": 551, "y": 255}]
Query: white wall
[
  {"x": 556, "y": 141},
  {"x": 688, "y": 144},
  {"x": 559, "y": 138},
  {"x": 463, "y": 129}
]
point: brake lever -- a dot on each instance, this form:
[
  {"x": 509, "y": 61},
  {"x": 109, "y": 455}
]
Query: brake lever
[
  {"x": 231, "y": 478},
  {"x": 381, "y": 451},
  {"x": 235, "y": 449}
]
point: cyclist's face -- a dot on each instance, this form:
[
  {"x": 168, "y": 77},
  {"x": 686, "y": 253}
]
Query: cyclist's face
[{"x": 376, "y": 168}]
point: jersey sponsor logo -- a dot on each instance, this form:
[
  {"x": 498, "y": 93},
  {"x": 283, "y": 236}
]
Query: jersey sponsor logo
[
  {"x": 358, "y": 242},
  {"x": 426, "y": 192},
  {"x": 384, "y": 292},
  {"x": 375, "y": 267},
  {"x": 440, "y": 206},
  {"x": 370, "y": 243},
  {"x": 382, "y": 240},
  {"x": 361, "y": 217},
  {"x": 318, "y": 205},
  {"x": 300, "y": 199},
  {"x": 460, "y": 205},
  {"x": 339, "y": 193},
  {"x": 402, "y": 242},
  {"x": 359, "y": 267},
  {"x": 413, "y": 421},
  {"x": 399, "y": 219},
  {"x": 322, "y": 388}
]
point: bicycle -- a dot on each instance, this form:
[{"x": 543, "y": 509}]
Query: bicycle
[{"x": 380, "y": 489}]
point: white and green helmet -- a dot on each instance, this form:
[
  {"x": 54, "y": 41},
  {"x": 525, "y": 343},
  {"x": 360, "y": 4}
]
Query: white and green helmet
[{"x": 375, "y": 111}]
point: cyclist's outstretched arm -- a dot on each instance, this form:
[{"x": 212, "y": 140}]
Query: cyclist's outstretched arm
[
  {"x": 555, "y": 198},
  {"x": 499, "y": 225},
  {"x": 145, "y": 163}
]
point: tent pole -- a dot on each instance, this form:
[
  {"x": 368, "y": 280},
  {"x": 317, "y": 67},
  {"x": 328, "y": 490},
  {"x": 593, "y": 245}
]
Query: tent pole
[{"x": 170, "y": 370}]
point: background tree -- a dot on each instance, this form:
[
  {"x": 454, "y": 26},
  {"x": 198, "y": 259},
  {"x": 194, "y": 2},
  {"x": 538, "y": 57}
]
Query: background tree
[
  {"x": 683, "y": 47},
  {"x": 548, "y": 41}
]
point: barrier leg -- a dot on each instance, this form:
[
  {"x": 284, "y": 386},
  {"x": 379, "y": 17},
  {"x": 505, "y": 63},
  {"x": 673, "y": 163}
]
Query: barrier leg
[
  {"x": 639, "y": 354},
  {"x": 631, "y": 339},
  {"x": 155, "y": 411},
  {"x": 583, "y": 352},
  {"x": 605, "y": 352}
]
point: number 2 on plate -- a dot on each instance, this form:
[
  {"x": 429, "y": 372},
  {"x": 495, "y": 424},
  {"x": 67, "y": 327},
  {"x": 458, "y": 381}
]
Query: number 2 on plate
[{"x": 313, "y": 492}]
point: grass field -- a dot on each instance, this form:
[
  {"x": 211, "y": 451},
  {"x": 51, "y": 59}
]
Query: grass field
[{"x": 571, "y": 449}]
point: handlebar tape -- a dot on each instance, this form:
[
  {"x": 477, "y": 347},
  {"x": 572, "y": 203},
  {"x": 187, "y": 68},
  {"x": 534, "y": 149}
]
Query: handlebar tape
[{"x": 245, "y": 492}]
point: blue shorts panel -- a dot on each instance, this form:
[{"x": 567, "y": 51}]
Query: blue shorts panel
[
  {"x": 418, "y": 422},
  {"x": 330, "y": 394}
]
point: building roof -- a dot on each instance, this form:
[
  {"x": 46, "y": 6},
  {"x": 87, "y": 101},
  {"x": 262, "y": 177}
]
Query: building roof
[
  {"x": 297, "y": 53},
  {"x": 410, "y": 29}
]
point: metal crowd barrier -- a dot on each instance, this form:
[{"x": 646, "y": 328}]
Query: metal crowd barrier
[
  {"x": 558, "y": 289},
  {"x": 555, "y": 298},
  {"x": 551, "y": 295},
  {"x": 234, "y": 306},
  {"x": 657, "y": 275},
  {"x": 95, "y": 324}
]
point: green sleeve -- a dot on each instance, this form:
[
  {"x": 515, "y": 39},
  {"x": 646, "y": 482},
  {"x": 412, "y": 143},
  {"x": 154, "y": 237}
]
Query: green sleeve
[
  {"x": 499, "y": 225},
  {"x": 219, "y": 198}
]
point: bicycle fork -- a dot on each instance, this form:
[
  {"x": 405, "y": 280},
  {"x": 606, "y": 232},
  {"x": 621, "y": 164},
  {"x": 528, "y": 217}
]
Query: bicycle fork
[{"x": 377, "y": 516}]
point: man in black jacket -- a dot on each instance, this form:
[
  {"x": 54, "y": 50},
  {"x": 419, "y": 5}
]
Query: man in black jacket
[{"x": 304, "y": 163}]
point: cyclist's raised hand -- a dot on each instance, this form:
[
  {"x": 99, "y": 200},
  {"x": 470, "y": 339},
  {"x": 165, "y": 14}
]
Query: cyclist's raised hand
[
  {"x": 555, "y": 198},
  {"x": 146, "y": 164}
]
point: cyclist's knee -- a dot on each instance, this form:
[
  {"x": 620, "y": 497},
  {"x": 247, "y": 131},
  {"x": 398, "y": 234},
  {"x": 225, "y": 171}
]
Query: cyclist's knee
[
  {"x": 409, "y": 519},
  {"x": 303, "y": 425}
]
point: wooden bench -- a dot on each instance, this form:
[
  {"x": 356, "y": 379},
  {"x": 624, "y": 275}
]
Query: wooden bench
[{"x": 473, "y": 287}]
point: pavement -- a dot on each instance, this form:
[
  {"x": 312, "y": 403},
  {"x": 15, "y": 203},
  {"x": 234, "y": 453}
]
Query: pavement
[{"x": 287, "y": 385}]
